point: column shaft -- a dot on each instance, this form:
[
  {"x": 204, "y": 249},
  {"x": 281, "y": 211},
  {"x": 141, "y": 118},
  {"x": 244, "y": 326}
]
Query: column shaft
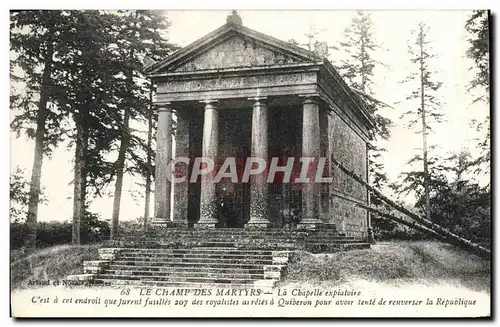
[
  {"x": 180, "y": 211},
  {"x": 210, "y": 149},
  {"x": 310, "y": 148},
  {"x": 163, "y": 157},
  {"x": 258, "y": 183}
]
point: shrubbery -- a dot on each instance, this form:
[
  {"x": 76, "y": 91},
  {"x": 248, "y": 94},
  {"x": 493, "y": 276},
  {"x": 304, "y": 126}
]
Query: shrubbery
[
  {"x": 385, "y": 230},
  {"x": 53, "y": 233}
]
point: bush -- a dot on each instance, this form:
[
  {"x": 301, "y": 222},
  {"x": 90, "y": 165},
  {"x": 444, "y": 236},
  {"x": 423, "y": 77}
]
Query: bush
[
  {"x": 386, "y": 230},
  {"x": 92, "y": 230}
]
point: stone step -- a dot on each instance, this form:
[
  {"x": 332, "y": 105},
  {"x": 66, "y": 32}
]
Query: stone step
[
  {"x": 189, "y": 264},
  {"x": 180, "y": 269},
  {"x": 230, "y": 238},
  {"x": 215, "y": 237},
  {"x": 200, "y": 260},
  {"x": 234, "y": 243},
  {"x": 224, "y": 275},
  {"x": 232, "y": 233},
  {"x": 183, "y": 279},
  {"x": 187, "y": 255},
  {"x": 201, "y": 251}
]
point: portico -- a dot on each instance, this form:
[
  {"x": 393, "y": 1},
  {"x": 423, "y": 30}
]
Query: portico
[{"x": 239, "y": 93}]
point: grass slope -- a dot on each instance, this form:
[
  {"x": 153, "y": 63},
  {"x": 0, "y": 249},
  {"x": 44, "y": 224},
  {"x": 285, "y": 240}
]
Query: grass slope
[
  {"x": 388, "y": 262},
  {"x": 51, "y": 263},
  {"x": 396, "y": 263}
]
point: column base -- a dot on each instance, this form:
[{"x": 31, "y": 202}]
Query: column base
[
  {"x": 159, "y": 221},
  {"x": 258, "y": 224},
  {"x": 205, "y": 225},
  {"x": 370, "y": 237},
  {"x": 177, "y": 224},
  {"x": 311, "y": 224}
]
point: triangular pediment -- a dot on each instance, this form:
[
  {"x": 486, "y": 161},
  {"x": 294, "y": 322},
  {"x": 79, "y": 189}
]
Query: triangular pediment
[{"x": 233, "y": 46}]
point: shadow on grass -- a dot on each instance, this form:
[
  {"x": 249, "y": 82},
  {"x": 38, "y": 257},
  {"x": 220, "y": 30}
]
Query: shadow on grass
[
  {"x": 395, "y": 262},
  {"x": 52, "y": 263}
]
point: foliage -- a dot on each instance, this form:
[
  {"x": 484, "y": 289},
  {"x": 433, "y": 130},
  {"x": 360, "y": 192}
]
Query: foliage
[
  {"x": 360, "y": 46},
  {"x": 455, "y": 203},
  {"x": 479, "y": 50},
  {"x": 422, "y": 78},
  {"x": 19, "y": 195},
  {"x": 93, "y": 230},
  {"x": 428, "y": 113},
  {"x": 35, "y": 43},
  {"x": 465, "y": 209},
  {"x": 387, "y": 230}
]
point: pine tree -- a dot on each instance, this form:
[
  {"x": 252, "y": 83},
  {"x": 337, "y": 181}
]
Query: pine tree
[
  {"x": 427, "y": 113},
  {"x": 360, "y": 46},
  {"x": 35, "y": 43},
  {"x": 86, "y": 91},
  {"x": 141, "y": 34},
  {"x": 479, "y": 51}
]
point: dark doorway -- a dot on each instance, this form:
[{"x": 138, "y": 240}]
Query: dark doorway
[
  {"x": 235, "y": 134},
  {"x": 285, "y": 140}
]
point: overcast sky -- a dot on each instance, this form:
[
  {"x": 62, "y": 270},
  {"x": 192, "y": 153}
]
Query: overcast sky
[{"x": 392, "y": 30}]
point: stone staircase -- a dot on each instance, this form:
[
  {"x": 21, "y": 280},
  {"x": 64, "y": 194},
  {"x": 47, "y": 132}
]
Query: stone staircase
[{"x": 236, "y": 258}]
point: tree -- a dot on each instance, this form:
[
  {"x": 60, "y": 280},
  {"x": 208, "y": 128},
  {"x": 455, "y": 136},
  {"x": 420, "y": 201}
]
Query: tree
[
  {"x": 20, "y": 195},
  {"x": 360, "y": 46},
  {"x": 479, "y": 51},
  {"x": 461, "y": 205},
  {"x": 428, "y": 111},
  {"x": 86, "y": 91},
  {"x": 36, "y": 41},
  {"x": 140, "y": 34}
]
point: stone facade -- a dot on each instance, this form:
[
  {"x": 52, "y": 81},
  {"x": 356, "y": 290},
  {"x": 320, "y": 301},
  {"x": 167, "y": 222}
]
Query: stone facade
[
  {"x": 237, "y": 51},
  {"x": 239, "y": 93}
]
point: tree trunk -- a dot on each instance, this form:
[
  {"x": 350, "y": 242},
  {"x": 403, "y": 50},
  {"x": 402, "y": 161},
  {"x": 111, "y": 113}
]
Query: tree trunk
[
  {"x": 401, "y": 221},
  {"x": 83, "y": 180},
  {"x": 120, "y": 162},
  {"x": 36, "y": 172},
  {"x": 78, "y": 181},
  {"x": 424, "y": 130},
  {"x": 120, "y": 167},
  {"x": 149, "y": 159},
  {"x": 451, "y": 237}
]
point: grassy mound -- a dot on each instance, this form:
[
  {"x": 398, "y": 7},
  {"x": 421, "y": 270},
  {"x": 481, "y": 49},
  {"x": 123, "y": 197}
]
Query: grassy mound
[
  {"x": 395, "y": 262},
  {"x": 51, "y": 263}
]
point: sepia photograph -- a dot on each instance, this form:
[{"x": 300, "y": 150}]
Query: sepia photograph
[{"x": 250, "y": 163}]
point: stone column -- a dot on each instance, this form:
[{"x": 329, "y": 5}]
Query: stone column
[
  {"x": 258, "y": 183},
  {"x": 310, "y": 148},
  {"x": 180, "y": 211},
  {"x": 163, "y": 157},
  {"x": 210, "y": 149}
]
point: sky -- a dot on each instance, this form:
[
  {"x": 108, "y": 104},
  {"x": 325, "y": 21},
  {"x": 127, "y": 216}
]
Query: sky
[{"x": 392, "y": 30}]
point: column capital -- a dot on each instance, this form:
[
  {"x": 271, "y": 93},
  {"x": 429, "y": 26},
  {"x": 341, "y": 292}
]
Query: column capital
[
  {"x": 258, "y": 101},
  {"x": 163, "y": 106},
  {"x": 310, "y": 98},
  {"x": 211, "y": 102},
  {"x": 257, "y": 98}
]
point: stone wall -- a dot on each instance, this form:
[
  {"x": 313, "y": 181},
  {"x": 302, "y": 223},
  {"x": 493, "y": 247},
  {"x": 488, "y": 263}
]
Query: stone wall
[{"x": 349, "y": 149}]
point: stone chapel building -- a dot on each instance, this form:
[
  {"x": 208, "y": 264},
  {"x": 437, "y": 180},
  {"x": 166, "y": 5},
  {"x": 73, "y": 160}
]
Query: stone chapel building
[{"x": 240, "y": 93}]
